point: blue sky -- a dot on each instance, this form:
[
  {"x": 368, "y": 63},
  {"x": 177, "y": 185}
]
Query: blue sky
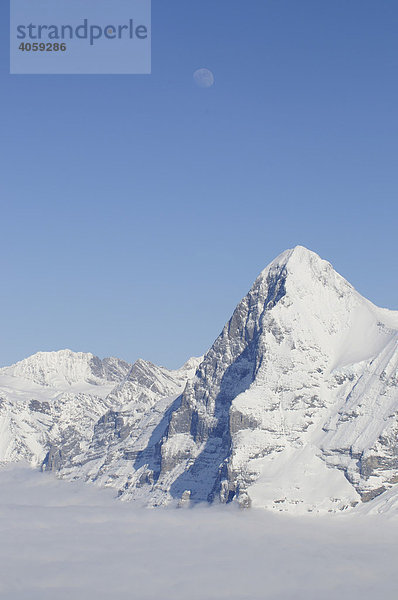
[{"x": 137, "y": 210}]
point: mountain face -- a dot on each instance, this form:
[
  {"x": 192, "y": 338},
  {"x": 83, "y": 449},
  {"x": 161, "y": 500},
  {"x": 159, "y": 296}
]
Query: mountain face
[
  {"x": 53, "y": 396},
  {"x": 137, "y": 409},
  {"x": 293, "y": 408},
  {"x": 63, "y": 410}
]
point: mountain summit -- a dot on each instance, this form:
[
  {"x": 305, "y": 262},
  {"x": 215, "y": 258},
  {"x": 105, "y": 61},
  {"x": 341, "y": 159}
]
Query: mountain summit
[
  {"x": 254, "y": 424},
  {"x": 294, "y": 407},
  {"x": 66, "y": 368}
]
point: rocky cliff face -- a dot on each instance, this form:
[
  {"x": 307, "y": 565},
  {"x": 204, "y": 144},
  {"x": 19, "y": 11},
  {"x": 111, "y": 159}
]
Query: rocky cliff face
[
  {"x": 128, "y": 434},
  {"x": 294, "y": 407}
]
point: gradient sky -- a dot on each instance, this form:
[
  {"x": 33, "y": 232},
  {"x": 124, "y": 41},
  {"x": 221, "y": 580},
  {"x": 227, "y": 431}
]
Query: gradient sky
[{"x": 137, "y": 210}]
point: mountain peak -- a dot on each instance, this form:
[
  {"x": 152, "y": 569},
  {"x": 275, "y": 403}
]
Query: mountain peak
[
  {"x": 296, "y": 252},
  {"x": 67, "y": 367},
  {"x": 296, "y": 261},
  {"x": 299, "y": 273},
  {"x": 269, "y": 378}
]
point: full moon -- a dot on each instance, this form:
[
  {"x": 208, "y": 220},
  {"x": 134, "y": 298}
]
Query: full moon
[{"x": 203, "y": 78}]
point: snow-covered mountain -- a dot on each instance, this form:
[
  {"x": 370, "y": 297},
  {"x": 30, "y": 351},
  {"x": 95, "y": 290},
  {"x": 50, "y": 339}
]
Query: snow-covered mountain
[
  {"x": 282, "y": 413},
  {"x": 51, "y": 396},
  {"x": 294, "y": 407},
  {"x": 65, "y": 368},
  {"x": 54, "y": 405},
  {"x": 136, "y": 407}
]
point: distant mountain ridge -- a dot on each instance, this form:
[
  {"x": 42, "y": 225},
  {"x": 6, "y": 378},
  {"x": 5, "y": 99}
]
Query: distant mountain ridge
[
  {"x": 293, "y": 408},
  {"x": 67, "y": 367}
]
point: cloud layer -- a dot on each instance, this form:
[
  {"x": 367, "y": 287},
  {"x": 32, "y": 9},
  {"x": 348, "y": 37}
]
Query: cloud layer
[{"x": 61, "y": 540}]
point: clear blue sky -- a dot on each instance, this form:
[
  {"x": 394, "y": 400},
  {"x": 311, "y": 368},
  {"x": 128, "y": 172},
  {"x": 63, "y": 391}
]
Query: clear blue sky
[{"x": 137, "y": 210}]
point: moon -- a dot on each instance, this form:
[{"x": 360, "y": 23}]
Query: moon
[{"x": 203, "y": 78}]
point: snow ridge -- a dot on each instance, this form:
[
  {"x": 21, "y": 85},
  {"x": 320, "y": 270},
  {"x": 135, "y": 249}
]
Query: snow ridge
[{"x": 65, "y": 368}]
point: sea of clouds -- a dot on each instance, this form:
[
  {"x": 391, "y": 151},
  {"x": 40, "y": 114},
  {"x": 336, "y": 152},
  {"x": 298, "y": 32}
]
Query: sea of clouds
[{"x": 64, "y": 541}]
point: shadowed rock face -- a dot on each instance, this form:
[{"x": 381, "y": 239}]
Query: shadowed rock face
[
  {"x": 132, "y": 408},
  {"x": 109, "y": 369},
  {"x": 204, "y": 415}
]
